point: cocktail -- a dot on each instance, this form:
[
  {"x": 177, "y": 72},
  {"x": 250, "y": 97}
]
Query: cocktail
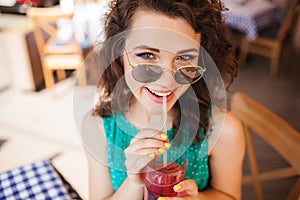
[{"x": 160, "y": 177}]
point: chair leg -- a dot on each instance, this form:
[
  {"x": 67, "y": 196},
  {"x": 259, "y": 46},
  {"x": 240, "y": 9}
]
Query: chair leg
[
  {"x": 61, "y": 74},
  {"x": 49, "y": 78},
  {"x": 275, "y": 61},
  {"x": 243, "y": 51},
  {"x": 253, "y": 163},
  {"x": 295, "y": 192}
]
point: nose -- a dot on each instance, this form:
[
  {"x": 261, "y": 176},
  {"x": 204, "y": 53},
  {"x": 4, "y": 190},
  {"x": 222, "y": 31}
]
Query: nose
[{"x": 167, "y": 78}]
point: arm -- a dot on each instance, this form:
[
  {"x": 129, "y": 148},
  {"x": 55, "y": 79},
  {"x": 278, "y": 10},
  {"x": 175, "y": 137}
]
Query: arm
[
  {"x": 137, "y": 157},
  {"x": 225, "y": 165},
  {"x": 100, "y": 185},
  {"x": 94, "y": 141},
  {"x": 226, "y": 162}
]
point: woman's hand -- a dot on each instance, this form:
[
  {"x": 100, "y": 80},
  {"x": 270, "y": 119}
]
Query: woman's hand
[
  {"x": 143, "y": 148},
  {"x": 187, "y": 190}
]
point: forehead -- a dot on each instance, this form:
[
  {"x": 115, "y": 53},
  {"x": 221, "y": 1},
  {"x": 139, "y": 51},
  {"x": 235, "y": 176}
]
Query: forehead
[{"x": 160, "y": 31}]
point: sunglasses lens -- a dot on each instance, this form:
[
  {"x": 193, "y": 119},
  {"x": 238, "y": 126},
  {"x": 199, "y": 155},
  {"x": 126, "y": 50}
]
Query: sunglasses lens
[
  {"x": 146, "y": 73},
  {"x": 188, "y": 75}
]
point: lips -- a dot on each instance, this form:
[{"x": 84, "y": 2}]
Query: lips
[
  {"x": 160, "y": 93},
  {"x": 157, "y": 95}
]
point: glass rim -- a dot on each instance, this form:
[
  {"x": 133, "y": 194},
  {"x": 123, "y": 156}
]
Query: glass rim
[{"x": 149, "y": 166}]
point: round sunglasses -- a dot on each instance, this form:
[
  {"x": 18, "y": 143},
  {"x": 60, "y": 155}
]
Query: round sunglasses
[{"x": 148, "y": 72}]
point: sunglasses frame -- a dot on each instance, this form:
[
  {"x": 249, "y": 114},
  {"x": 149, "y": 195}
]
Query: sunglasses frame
[{"x": 203, "y": 70}]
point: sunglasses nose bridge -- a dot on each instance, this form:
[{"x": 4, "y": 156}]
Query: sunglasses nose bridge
[
  {"x": 167, "y": 74},
  {"x": 167, "y": 67}
]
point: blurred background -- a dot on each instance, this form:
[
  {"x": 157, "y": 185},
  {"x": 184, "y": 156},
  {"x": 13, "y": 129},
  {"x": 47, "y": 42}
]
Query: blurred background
[{"x": 36, "y": 109}]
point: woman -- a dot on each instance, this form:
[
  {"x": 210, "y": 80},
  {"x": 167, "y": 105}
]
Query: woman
[{"x": 152, "y": 52}]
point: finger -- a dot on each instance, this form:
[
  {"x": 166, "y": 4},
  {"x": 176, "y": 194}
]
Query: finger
[
  {"x": 172, "y": 198},
  {"x": 150, "y": 133},
  {"x": 146, "y": 144},
  {"x": 151, "y": 153},
  {"x": 137, "y": 166},
  {"x": 136, "y": 162},
  {"x": 189, "y": 187}
]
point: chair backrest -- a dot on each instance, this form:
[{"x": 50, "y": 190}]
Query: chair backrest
[
  {"x": 276, "y": 132},
  {"x": 47, "y": 31},
  {"x": 290, "y": 14}
]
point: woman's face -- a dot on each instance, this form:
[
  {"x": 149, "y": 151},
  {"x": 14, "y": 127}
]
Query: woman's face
[{"x": 157, "y": 39}]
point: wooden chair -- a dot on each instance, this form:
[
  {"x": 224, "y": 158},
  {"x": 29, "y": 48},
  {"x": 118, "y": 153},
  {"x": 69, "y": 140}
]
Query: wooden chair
[
  {"x": 56, "y": 54},
  {"x": 269, "y": 42},
  {"x": 274, "y": 131}
]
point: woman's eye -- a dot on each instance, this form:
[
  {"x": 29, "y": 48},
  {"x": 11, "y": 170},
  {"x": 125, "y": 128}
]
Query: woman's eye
[
  {"x": 146, "y": 56},
  {"x": 186, "y": 58}
]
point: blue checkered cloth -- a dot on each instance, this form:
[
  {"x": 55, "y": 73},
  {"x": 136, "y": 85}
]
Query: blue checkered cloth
[
  {"x": 252, "y": 17},
  {"x": 38, "y": 181}
]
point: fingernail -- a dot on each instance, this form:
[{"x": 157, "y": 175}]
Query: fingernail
[
  {"x": 151, "y": 155},
  {"x": 167, "y": 145},
  {"x": 161, "y": 150},
  {"x": 164, "y": 136},
  {"x": 177, "y": 187},
  {"x": 161, "y": 198}
]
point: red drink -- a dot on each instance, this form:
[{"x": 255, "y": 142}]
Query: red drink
[{"x": 160, "y": 182}]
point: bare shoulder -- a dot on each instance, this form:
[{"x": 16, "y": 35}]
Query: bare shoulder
[
  {"x": 90, "y": 122},
  {"x": 93, "y": 136},
  {"x": 232, "y": 127},
  {"x": 94, "y": 141},
  {"x": 227, "y": 154},
  {"x": 230, "y": 130}
]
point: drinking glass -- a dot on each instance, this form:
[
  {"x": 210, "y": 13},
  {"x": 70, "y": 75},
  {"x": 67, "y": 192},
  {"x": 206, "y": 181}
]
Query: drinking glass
[{"x": 162, "y": 174}]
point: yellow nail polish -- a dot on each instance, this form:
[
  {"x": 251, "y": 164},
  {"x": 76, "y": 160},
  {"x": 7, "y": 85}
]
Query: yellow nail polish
[
  {"x": 161, "y": 150},
  {"x": 177, "y": 187},
  {"x": 164, "y": 136},
  {"x": 161, "y": 198},
  {"x": 151, "y": 155},
  {"x": 167, "y": 145}
]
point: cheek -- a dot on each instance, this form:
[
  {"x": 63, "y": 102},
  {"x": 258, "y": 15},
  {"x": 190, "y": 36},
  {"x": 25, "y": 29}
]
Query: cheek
[
  {"x": 132, "y": 84},
  {"x": 128, "y": 77},
  {"x": 181, "y": 90},
  {"x": 127, "y": 67}
]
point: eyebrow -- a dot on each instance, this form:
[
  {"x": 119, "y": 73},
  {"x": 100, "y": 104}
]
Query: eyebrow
[
  {"x": 147, "y": 47},
  {"x": 158, "y": 50},
  {"x": 188, "y": 50}
]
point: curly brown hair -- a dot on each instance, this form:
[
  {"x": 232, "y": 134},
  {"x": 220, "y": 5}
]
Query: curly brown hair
[{"x": 204, "y": 16}]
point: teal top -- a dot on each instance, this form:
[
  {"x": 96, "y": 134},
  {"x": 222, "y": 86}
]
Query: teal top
[{"x": 119, "y": 132}]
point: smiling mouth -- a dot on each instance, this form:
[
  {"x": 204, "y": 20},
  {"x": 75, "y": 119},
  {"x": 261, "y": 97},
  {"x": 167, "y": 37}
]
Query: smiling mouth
[{"x": 159, "y": 93}]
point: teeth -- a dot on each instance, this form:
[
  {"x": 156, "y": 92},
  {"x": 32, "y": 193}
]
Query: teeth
[{"x": 159, "y": 94}]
